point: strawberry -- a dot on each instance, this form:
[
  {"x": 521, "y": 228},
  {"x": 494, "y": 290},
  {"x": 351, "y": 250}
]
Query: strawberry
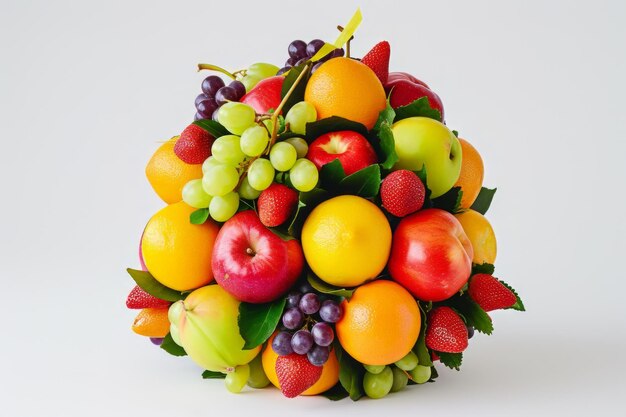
[
  {"x": 378, "y": 60},
  {"x": 296, "y": 374},
  {"x": 446, "y": 331},
  {"x": 138, "y": 299},
  {"x": 489, "y": 293},
  {"x": 276, "y": 204},
  {"x": 402, "y": 193},
  {"x": 194, "y": 145}
]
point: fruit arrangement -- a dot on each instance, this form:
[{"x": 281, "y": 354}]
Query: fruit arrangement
[{"x": 324, "y": 232}]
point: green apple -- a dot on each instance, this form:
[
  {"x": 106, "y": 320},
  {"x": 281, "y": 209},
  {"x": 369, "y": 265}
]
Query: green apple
[{"x": 423, "y": 141}]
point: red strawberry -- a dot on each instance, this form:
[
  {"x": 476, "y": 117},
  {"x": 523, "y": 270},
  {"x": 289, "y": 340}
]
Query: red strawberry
[
  {"x": 378, "y": 60},
  {"x": 402, "y": 193},
  {"x": 276, "y": 204},
  {"x": 194, "y": 145},
  {"x": 296, "y": 374},
  {"x": 446, "y": 332},
  {"x": 489, "y": 293},
  {"x": 138, "y": 299}
]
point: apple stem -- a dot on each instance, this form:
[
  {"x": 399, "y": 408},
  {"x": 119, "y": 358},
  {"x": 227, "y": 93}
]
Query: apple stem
[{"x": 212, "y": 67}]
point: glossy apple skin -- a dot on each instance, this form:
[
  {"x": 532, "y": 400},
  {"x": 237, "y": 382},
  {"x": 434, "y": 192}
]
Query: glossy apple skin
[
  {"x": 398, "y": 75},
  {"x": 431, "y": 256},
  {"x": 265, "y": 95},
  {"x": 405, "y": 89},
  {"x": 351, "y": 148},
  {"x": 252, "y": 263}
]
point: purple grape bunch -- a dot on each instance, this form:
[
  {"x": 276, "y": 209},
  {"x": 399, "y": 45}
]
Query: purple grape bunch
[
  {"x": 307, "y": 321},
  {"x": 300, "y": 52},
  {"x": 215, "y": 93}
]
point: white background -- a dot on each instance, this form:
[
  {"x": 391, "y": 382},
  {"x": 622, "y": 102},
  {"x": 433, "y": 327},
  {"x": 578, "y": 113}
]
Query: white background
[{"x": 89, "y": 88}]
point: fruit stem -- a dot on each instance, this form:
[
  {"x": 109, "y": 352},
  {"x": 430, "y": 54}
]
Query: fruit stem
[
  {"x": 212, "y": 67},
  {"x": 340, "y": 28}
]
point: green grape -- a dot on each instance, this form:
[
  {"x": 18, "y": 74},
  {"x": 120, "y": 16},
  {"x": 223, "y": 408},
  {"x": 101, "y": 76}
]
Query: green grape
[
  {"x": 226, "y": 149},
  {"x": 408, "y": 362},
  {"x": 420, "y": 374},
  {"x": 299, "y": 115},
  {"x": 378, "y": 385},
  {"x": 283, "y": 156},
  {"x": 246, "y": 191},
  {"x": 269, "y": 125},
  {"x": 257, "y": 378},
  {"x": 236, "y": 380},
  {"x": 400, "y": 379},
  {"x": 224, "y": 207},
  {"x": 208, "y": 163},
  {"x": 261, "y": 70},
  {"x": 236, "y": 117},
  {"x": 260, "y": 174},
  {"x": 220, "y": 179},
  {"x": 374, "y": 369},
  {"x": 304, "y": 175},
  {"x": 254, "y": 140},
  {"x": 194, "y": 194},
  {"x": 249, "y": 82},
  {"x": 300, "y": 144}
]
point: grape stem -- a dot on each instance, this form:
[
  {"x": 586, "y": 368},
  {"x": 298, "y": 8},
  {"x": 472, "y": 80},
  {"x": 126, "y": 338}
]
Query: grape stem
[
  {"x": 212, "y": 67},
  {"x": 340, "y": 29}
]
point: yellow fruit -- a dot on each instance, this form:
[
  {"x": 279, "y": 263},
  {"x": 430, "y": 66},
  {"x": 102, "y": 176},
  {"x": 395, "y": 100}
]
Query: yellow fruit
[
  {"x": 168, "y": 174},
  {"x": 472, "y": 173},
  {"x": 176, "y": 252},
  {"x": 346, "y": 241},
  {"x": 480, "y": 233},
  {"x": 347, "y": 88}
]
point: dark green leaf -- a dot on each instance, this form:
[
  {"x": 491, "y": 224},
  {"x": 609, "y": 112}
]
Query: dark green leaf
[
  {"x": 385, "y": 147},
  {"x": 364, "y": 183},
  {"x": 199, "y": 216},
  {"x": 214, "y": 128},
  {"x": 331, "y": 175},
  {"x": 350, "y": 373},
  {"x": 332, "y": 124},
  {"x": 246, "y": 205},
  {"x": 325, "y": 288},
  {"x": 450, "y": 201},
  {"x": 483, "y": 268},
  {"x": 451, "y": 360},
  {"x": 336, "y": 393},
  {"x": 172, "y": 347},
  {"x": 455, "y": 133},
  {"x": 385, "y": 117},
  {"x": 257, "y": 322},
  {"x": 420, "y": 349},
  {"x": 433, "y": 374},
  {"x": 475, "y": 316},
  {"x": 153, "y": 287},
  {"x": 483, "y": 201},
  {"x": 298, "y": 93},
  {"x": 419, "y": 108},
  {"x": 519, "y": 305},
  {"x": 213, "y": 375},
  {"x": 307, "y": 202}
]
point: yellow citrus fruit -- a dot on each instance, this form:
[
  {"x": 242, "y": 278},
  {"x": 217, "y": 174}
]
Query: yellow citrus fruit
[
  {"x": 347, "y": 88},
  {"x": 328, "y": 379},
  {"x": 176, "y": 252},
  {"x": 168, "y": 174},
  {"x": 480, "y": 234},
  {"x": 152, "y": 322},
  {"x": 380, "y": 323},
  {"x": 472, "y": 173},
  {"x": 346, "y": 240}
]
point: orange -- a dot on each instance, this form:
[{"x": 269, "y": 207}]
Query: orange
[
  {"x": 346, "y": 240},
  {"x": 168, "y": 174},
  {"x": 152, "y": 322},
  {"x": 380, "y": 323},
  {"x": 330, "y": 370},
  {"x": 472, "y": 173},
  {"x": 481, "y": 235},
  {"x": 347, "y": 88},
  {"x": 176, "y": 252}
]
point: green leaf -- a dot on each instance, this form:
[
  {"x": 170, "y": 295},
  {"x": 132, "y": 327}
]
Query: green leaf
[
  {"x": 214, "y": 128},
  {"x": 331, "y": 175},
  {"x": 420, "y": 349},
  {"x": 433, "y": 374},
  {"x": 450, "y": 201},
  {"x": 306, "y": 203},
  {"x": 455, "y": 133},
  {"x": 386, "y": 116},
  {"x": 336, "y": 393},
  {"x": 451, "y": 360},
  {"x": 172, "y": 347},
  {"x": 364, "y": 183},
  {"x": 483, "y": 201},
  {"x": 350, "y": 373},
  {"x": 419, "y": 108},
  {"x": 332, "y": 124},
  {"x": 199, "y": 216},
  {"x": 146, "y": 281},
  {"x": 483, "y": 268},
  {"x": 475, "y": 315},
  {"x": 519, "y": 305},
  {"x": 385, "y": 147},
  {"x": 257, "y": 322},
  {"x": 213, "y": 375},
  {"x": 298, "y": 93},
  {"x": 325, "y": 288}
]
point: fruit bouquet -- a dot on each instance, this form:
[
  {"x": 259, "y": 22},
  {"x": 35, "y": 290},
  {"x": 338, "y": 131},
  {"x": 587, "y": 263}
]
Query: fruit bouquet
[{"x": 324, "y": 233}]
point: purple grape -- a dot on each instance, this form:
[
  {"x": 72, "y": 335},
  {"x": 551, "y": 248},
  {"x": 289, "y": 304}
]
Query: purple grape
[
  {"x": 301, "y": 342},
  {"x": 225, "y": 94},
  {"x": 309, "y": 303},
  {"x": 198, "y": 116},
  {"x": 291, "y": 62},
  {"x": 330, "y": 311},
  {"x": 156, "y": 340},
  {"x": 201, "y": 97},
  {"x": 283, "y": 70},
  {"x": 293, "y": 318},
  {"x": 239, "y": 88},
  {"x": 318, "y": 355},
  {"x": 214, "y": 115},
  {"x": 207, "y": 107},
  {"x": 315, "y": 67},
  {"x": 304, "y": 287},
  {"x": 470, "y": 332},
  {"x": 314, "y": 46},
  {"x": 297, "y": 49},
  {"x": 211, "y": 84},
  {"x": 282, "y": 344},
  {"x": 293, "y": 298},
  {"x": 338, "y": 52},
  {"x": 323, "y": 334},
  {"x": 301, "y": 61}
]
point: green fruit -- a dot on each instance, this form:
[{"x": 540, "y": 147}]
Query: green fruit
[
  {"x": 257, "y": 378},
  {"x": 236, "y": 380},
  {"x": 378, "y": 385},
  {"x": 408, "y": 362},
  {"x": 400, "y": 379},
  {"x": 420, "y": 374},
  {"x": 374, "y": 369}
]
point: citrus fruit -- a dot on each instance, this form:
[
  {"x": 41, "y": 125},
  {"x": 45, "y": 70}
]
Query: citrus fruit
[
  {"x": 330, "y": 370},
  {"x": 380, "y": 323},
  {"x": 346, "y": 240},
  {"x": 481, "y": 235},
  {"x": 472, "y": 173},
  {"x": 152, "y": 322},
  {"x": 168, "y": 174},
  {"x": 176, "y": 252},
  {"x": 347, "y": 88}
]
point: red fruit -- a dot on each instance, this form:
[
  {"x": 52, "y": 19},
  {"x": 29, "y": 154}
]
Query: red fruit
[
  {"x": 139, "y": 299},
  {"x": 276, "y": 204},
  {"x": 352, "y": 149},
  {"x": 265, "y": 95},
  {"x": 377, "y": 59},
  {"x": 296, "y": 374},
  {"x": 402, "y": 193},
  {"x": 446, "y": 332},
  {"x": 194, "y": 145},
  {"x": 489, "y": 293}
]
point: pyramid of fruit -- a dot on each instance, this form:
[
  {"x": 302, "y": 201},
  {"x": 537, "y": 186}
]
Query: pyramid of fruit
[{"x": 324, "y": 232}]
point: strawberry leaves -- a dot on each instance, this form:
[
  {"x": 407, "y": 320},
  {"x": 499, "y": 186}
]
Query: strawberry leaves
[
  {"x": 484, "y": 199},
  {"x": 419, "y": 108},
  {"x": 451, "y": 360},
  {"x": 149, "y": 284}
]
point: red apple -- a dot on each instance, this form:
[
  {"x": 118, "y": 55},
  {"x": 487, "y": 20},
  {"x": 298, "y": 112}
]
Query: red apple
[
  {"x": 405, "y": 89},
  {"x": 431, "y": 256},
  {"x": 352, "y": 149},
  {"x": 265, "y": 95},
  {"x": 395, "y": 76},
  {"x": 251, "y": 262}
]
